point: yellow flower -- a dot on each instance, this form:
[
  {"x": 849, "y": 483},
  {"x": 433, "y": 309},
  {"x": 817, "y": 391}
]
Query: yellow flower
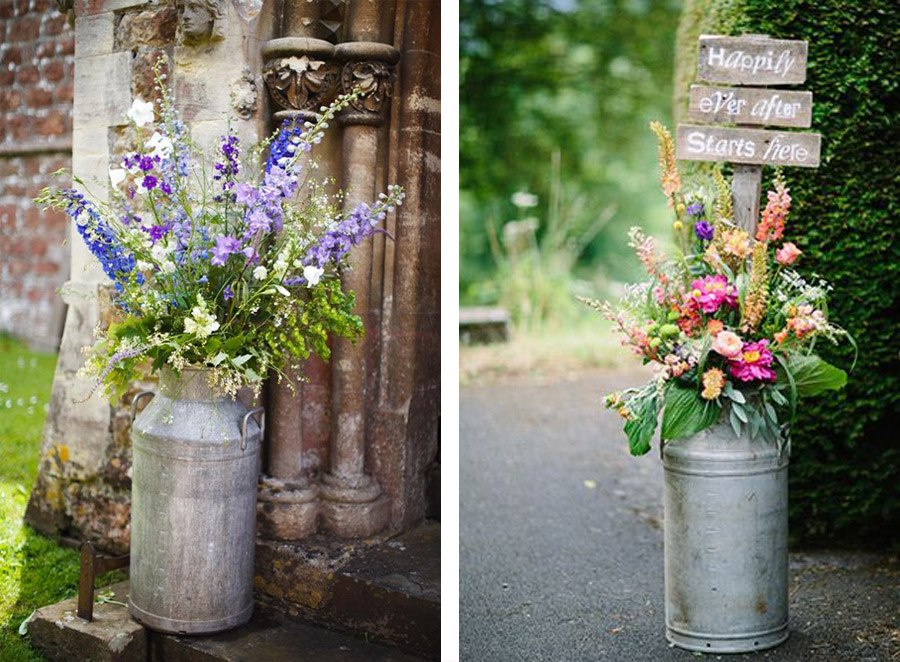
[
  {"x": 678, "y": 225},
  {"x": 713, "y": 383}
]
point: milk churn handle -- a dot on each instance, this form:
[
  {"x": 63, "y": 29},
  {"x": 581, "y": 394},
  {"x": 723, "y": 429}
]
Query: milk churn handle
[
  {"x": 262, "y": 425},
  {"x": 135, "y": 401}
]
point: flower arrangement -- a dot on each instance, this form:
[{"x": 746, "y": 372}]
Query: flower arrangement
[
  {"x": 728, "y": 322},
  {"x": 209, "y": 268}
]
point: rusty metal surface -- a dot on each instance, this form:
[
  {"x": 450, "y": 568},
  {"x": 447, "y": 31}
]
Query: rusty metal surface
[{"x": 193, "y": 509}]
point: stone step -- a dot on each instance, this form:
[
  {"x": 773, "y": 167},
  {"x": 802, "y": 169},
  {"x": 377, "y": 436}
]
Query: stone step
[
  {"x": 387, "y": 590},
  {"x": 114, "y": 637}
]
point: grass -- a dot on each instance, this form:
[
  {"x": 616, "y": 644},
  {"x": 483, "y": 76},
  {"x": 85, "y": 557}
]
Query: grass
[{"x": 34, "y": 570}]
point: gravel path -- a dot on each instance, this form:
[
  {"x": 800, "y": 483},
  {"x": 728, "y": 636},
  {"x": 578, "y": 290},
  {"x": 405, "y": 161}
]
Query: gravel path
[{"x": 561, "y": 542}]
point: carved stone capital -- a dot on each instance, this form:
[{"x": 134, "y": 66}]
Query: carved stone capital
[
  {"x": 301, "y": 83},
  {"x": 374, "y": 80}
]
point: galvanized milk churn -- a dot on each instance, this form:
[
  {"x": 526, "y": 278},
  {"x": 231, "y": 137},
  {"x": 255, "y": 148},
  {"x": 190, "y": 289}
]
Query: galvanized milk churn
[
  {"x": 726, "y": 563},
  {"x": 193, "y": 512}
]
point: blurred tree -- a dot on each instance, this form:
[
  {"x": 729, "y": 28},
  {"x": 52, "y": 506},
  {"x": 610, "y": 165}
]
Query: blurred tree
[{"x": 576, "y": 78}]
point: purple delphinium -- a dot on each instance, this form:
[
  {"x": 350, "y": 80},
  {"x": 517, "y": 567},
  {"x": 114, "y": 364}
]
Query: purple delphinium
[
  {"x": 338, "y": 241},
  {"x": 695, "y": 209},
  {"x": 704, "y": 231},
  {"x": 227, "y": 293},
  {"x": 224, "y": 247},
  {"x": 100, "y": 239},
  {"x": 156, "y": 232},
  {"x": 228, "y": 168},
  {"x": 285, "y": 145},
  {"x": 149, "y": 182}
]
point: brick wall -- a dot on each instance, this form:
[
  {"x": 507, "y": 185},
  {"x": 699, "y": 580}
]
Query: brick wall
[{"x": 36, "y": 61}]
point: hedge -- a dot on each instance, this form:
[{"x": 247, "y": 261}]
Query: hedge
[{"x": 845, "y": 462}]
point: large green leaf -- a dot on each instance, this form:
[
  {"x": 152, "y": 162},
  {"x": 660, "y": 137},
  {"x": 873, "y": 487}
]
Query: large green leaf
[
  {"x": 685, "y": 413},
  {"x": 814, "y": 376},
  {"x": 640, "y": 429}
]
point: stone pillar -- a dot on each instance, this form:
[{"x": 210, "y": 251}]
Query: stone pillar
[
  {"x": 353, "y": 501},
  {"x": 300, "y": 78},
  {"x": 210, "y": 54},
  {"x": 405, "y": 427}
]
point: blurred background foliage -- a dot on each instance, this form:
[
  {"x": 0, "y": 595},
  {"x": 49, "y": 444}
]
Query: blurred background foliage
[{"x": 555, "y": 98}]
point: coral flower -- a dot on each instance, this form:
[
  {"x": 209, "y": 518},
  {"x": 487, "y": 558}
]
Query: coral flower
[
  {"x": 754, "y": 363},
  {"x": 710, "y": 292},
  {"x": 728, "y": 344},
  {"x": 714, "y": 327},
  {"x": 713, "y": 383},
  {"x": 787, "y": 254}
]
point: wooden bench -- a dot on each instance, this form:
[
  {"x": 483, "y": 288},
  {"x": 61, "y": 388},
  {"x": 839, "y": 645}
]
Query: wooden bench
[{"x": 483, "y": 325}]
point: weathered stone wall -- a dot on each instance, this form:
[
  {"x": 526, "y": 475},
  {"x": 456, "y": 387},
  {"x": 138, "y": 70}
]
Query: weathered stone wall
[
  {"x": 36, "y": 83},
  {"x": 83, "y": 487}
]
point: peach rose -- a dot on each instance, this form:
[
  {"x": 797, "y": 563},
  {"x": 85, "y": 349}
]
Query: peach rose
[
  {"x": 787, "y": 254},
  {"x": 727, "y": 344}
]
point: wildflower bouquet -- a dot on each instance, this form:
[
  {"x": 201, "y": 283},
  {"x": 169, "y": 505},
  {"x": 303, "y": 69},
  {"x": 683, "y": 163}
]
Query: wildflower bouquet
[
  {"x": 212, "y": 269},
  {"x": 728, "y": 322}
]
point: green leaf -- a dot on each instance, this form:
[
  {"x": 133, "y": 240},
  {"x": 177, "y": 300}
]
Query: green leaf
[
  {"x": 778, "y": 397},
  {"x": 813, "y": 376},
  {"x": 735, "y": 423},
  {"x": 640, "y": 429},
  {"x": 241, "y": 360},
  {"x": 685, "y": 413},
  {"x": 739, "y": 412}
]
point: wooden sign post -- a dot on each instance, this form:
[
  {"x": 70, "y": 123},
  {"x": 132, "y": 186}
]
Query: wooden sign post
[{"x": 749, "y": 60}]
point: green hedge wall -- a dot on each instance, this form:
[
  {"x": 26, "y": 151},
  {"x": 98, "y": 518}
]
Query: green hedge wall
[{"x": 845, "y": 463}]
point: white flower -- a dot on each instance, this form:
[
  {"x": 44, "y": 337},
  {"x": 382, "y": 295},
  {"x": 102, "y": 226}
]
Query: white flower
[
  {"x": 159, "y": 251},
  {"x": 116, "y": 176},
  {"x": 523, "y": 199},
  {"x": 260, "y": 273},
  {"x": 143, "y": 265},
  {"x": 168, "y": 267},
  {"x": 141, "y": 112},
  {"x": 312, "y": 275},
  {"x": 280, "y": 268},
  {"x": 201, "y": 322},
  {"x": 161, "y": 146}
]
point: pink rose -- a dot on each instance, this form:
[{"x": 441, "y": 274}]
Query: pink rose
[
  {"x": 787, "y": 253},
  {"x": 727, "y": 344}
]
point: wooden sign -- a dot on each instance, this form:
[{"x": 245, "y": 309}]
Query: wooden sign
[
  {"x": 750, "y": 105},
  {"x": 756, "y": 146},
  {"x": 751, "y": 60}
]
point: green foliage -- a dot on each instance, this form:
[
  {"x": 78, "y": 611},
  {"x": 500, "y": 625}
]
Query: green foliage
[
  {"x": 813, "y": 376},
  {"x": 686, "y": 413},
  {"x": 578, "y": 80},
  {"x": 641, "y": 428},
  {"x": 34, "y": 570},
  {"x": 845, "y": 459}
]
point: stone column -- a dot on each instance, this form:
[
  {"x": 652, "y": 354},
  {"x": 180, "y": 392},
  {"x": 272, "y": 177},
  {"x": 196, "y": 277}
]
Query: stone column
[
  {"x": 300, "y": 78},
  {"x": 405, "y": 437},
  {"x": 353, "y": 501},
  {"x": 78, "y": 430},
  {"x": 83, "y": 484}
]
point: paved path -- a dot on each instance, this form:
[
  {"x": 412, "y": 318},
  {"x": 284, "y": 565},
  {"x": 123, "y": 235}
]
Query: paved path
[{"x": 561, "y": 552}]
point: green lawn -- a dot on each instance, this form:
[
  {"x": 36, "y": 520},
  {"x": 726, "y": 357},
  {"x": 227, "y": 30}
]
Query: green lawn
[{"x": 34, "y": 571}]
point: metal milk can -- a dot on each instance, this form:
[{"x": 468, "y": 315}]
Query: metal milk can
[
  {"x": 193, "y": 512},
  {"x": 726, "y": 561}
]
